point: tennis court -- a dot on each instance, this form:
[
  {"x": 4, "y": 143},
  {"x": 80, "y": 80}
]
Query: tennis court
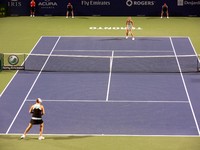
[{"x": 107, "y": 99}]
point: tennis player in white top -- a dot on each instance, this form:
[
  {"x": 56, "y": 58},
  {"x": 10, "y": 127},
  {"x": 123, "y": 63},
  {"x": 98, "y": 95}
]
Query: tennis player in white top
[{"x": 129, "y": 27}]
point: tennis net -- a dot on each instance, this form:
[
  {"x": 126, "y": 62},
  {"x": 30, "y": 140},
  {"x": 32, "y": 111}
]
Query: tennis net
[
  {"x": 137, "y": 64},
  {"x": 1, "y": 61}
]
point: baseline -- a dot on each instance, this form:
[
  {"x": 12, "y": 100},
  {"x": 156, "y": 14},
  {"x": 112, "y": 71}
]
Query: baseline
[{"x": 108, "y": 101}]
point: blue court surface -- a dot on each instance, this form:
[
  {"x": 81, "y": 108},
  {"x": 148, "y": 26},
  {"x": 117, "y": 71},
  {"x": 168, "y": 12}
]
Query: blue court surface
[{"x": 110, "y": 103}]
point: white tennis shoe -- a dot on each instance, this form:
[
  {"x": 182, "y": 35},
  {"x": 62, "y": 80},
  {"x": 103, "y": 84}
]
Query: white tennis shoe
[
  {"x": 23, "y": 136},
  {"x": 41, "y": 138}
]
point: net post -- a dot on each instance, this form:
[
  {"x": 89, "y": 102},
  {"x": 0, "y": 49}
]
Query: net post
[
  {"x": 24, "y": 61},
  {"x": 1, "y": 61},
  {"x": 198, "y": 63}
]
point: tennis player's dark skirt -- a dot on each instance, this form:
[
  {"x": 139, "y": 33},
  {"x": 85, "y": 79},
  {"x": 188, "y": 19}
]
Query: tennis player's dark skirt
[{"x": 36, "y": 121}]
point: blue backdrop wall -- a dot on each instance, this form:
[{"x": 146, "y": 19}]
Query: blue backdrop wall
[{"x": 104, "y": 7}]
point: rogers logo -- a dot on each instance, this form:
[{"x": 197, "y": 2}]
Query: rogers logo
[{"x": 129, "y": 3}]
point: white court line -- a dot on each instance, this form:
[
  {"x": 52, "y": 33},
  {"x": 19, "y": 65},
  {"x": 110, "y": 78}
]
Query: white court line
[
  {"x": 123, "y": 36},
  {"x": 32, "y": 87},
  {"x": 108, "y": 50},
  {"x": 114, "y": 135},
  {"x": 118, "y": 56},
  {"x": 110, "y": 75},
  {"x": 18, "y": 70},
  {"x": 106, "y": 101},
  {"x": 185, "y": 87}
]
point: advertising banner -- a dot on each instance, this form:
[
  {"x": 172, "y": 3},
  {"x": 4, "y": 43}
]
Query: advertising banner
[
  {"x": 3, "y": 10},
  {"x": 17, "y": 7},
  {"x": 136, "y": 7},
  {"x": 51, "y": 7},
  {"x": 105, "y": 7}
]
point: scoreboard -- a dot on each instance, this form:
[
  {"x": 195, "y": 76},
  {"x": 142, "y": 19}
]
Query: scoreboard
[{"x": 2, "y": 10}]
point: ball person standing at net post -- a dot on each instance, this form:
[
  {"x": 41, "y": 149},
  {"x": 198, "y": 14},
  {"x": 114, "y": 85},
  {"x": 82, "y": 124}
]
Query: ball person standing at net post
[
  {"x": 32, "y": 8},
  {"x": 70, "y": 10},
  {"x": 164, "y": 10},
  {"x": 129, "y": 27},
  {"x": 37, "y": 111}
]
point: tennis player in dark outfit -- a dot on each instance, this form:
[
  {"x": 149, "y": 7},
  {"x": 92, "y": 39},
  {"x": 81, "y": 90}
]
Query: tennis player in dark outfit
[
  {"x": 69, "y": 10},
  {"x": 164, "y": 10},
  {"x": 37, "y": 111}
]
